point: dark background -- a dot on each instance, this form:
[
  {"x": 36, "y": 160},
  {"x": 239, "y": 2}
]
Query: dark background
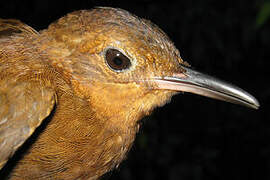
[{"x": 194, "y": 138}]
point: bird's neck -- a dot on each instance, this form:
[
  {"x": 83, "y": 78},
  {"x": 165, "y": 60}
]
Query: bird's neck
[{"x": 101, "y": 145}]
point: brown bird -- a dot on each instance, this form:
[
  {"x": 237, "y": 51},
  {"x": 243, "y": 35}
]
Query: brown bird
[{"x": 87, "y": 80}]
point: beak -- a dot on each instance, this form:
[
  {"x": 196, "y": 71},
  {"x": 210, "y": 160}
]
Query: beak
[{"x": 202, "y": 84}]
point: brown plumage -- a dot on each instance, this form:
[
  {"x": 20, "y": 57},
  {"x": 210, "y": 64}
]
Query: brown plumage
[{"x": 88, "y": 79}]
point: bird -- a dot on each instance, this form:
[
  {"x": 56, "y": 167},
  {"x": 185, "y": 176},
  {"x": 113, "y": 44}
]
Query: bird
[{"x": 72, "y": 95}]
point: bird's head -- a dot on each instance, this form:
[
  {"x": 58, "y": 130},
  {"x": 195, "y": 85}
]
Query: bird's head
[{"x": 125, "y": 65}]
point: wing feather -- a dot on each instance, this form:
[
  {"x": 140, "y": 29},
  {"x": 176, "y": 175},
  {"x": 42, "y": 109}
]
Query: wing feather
[
  {"x": 9, "y": 27},
  {"x": 23, "y": 106}
]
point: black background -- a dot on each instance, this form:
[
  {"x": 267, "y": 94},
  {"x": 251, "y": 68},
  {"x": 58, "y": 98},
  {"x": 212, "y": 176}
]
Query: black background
[{"x": 193, "y": 137}]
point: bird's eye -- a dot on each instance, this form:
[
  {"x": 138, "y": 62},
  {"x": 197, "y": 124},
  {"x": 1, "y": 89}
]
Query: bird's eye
[{"x": 116, "y": 60}]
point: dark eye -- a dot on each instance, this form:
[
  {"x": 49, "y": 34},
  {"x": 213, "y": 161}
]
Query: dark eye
[{"x": 116, "y": 60}]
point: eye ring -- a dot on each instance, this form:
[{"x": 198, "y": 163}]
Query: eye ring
[{"x": 116, "y": 60}]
